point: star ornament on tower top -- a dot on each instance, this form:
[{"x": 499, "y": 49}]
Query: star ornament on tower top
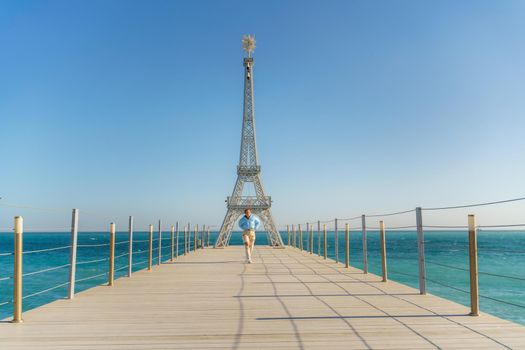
[{"x": 248, "y": 43}]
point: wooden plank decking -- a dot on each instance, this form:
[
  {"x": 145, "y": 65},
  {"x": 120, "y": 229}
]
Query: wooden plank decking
[{"x": 287, "y": 299}]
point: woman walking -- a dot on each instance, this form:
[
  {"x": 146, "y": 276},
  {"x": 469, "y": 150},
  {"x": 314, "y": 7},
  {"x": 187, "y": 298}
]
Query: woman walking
[{"x": 249, "y": 223}]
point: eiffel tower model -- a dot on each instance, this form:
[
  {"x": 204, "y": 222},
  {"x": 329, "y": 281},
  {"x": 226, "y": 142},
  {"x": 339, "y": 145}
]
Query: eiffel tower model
[{"x": 248, "y": 170}]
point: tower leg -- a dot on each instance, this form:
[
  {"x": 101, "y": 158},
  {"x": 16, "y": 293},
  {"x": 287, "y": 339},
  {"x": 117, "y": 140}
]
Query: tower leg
[
  {"x": 274, "y": 238},
  {"x": 226, "y": 229}
]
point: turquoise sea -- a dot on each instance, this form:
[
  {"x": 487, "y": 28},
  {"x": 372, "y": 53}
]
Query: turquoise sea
[{"x": 501, "y": 259}]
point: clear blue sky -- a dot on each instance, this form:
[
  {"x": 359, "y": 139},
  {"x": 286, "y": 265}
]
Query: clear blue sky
[{"x": 134, "y": 107}]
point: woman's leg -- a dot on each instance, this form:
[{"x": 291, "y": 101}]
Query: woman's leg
[
  {"x": 246, "y": 240},
  {"x": 252, "y": 242}
]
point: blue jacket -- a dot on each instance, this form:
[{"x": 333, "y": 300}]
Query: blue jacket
[{"x": 252, "y": 223}]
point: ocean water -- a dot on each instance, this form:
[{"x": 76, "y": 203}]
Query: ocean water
[{"x": 501, "y": 260}]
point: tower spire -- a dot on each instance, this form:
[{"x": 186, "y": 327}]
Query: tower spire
[
  {"x": 248, "y": 44},
  {"x": 248, "y": 170}
]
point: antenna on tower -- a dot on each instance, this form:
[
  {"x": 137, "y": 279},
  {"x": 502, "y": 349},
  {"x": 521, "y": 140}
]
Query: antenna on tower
[{"x": 248, "y": 43}]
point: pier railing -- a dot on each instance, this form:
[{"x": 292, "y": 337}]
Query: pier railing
[
  {"x": 158, "y": 247},
  {"x": 313, "y": 238},
  {"x": 130, "y": 250}
]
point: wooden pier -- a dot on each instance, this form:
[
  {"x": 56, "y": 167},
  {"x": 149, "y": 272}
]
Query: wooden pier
[{"x": 286, "y": 299}]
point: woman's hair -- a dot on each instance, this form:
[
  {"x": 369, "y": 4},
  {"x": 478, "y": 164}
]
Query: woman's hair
[{"x": 245, "y": 210}]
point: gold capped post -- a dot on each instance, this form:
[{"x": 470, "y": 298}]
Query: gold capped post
[
  {"x": 111, "y": 275},
  {"x": 17, "y": 275},
  {"x": 347, "y": 246},
  {"x": 177, "y": 240},
  {"x": 172, "y": 243},
  {"x": 473, "y": 264},
  {"x": 311, "y": 240},
  {"x": 324, "y": 241},
  {"x": 150, "y": 246},
  {"x": 300, "y": 238},
  {"x": 383, "y": 249},
  {"x": 185, "y": 239}
]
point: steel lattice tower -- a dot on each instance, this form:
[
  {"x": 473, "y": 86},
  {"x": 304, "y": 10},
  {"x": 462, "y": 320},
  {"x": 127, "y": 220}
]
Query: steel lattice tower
[{"x": 248, "y": 170}]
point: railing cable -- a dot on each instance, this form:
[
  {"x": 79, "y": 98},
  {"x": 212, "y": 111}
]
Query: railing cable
[
  {"x": 390, "y": 214},
  {"x": 493, "y": 226},
  {"x": 402, "y": 273},
  {"x": 475, "y": 205},
  {"x": 140, "y": 252},
  {"x": 91, "y": 261},
  {"x": 502, "y": 250},
  {"x": 502, "y": 301},
  {"x": 122, "y": 268},
  {"x": 45, "y": 290},
  {"x": 45, "y": 270},
  {"x": 445, "y": 226},
  {"x": 139, "y": 262},
  {"x": 90, "y": 277},
  {"x": 121, "y": 255},
  {"x": 447, "y": 285},
  {"x": 350, "y": 219},
  {"x": 92, "y": 245},
  {"x": 46, "y": 250}
]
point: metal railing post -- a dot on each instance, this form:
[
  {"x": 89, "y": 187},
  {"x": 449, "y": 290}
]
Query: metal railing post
[
  {"x": 308, "y": 232},
  {"x": 17, "y": 275},
  {"x": 312, "y": 230},
  {"x": 177, "y": 241},
  {"x": 347, "y": 247},
  {"x": 324, "y": 241},
  {"x": 172, "y": 233},
  {"x": 111, "y": 275},
  {"x": 185, "y": 239},
  {"x": 421, "y": 251},
  {"x": 300, "y": 237},
  {"x": 201, "y": 242},
  {"x": 150, "y": 252},
  {"x": 130, "y": 246},
  {"x": 293, "y": 237},
  {"x": 383, "y": 249},
  {"x": 318, "y": 238},
  {"x": 73, "y": 254},
  {"x": 336, "y": 236},
  {"x": 195, "y": 229},
  {"x": 363, "y": 240},
  {"x": 202, "y": 236},
  {"x": 311, "y": 239},
  {"x": 189, "y": 238},
  {"x": 473, "y": 264},
  {"x": 208, "y": 238},
  {"x": 160, "y": 245},
  {"x": 288, "y": 233}
]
